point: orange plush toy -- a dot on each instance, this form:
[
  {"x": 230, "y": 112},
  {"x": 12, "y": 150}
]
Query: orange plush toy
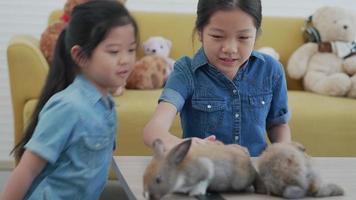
[{"x": 49, "y": 37}]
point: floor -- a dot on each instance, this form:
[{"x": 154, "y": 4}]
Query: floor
[{"x": 112, "y": 191}]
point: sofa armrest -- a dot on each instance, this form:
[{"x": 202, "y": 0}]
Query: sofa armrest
[{"x": 27, "y": 73}]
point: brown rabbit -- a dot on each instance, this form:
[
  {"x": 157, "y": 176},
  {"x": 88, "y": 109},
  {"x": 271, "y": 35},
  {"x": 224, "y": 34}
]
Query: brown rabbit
[
  {"x": 286, "y": 171},
  {"x": 194, "y": 168}
]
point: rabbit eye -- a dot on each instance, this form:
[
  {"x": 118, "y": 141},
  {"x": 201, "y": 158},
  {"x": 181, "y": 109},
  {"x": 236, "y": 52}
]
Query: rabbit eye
[{"x": 158, "y": 180}]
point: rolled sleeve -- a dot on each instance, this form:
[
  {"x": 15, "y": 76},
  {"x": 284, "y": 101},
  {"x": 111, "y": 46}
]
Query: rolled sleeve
[
  {"x": 173, "y": 97},
  {"x": 55, "y": 125},
  {"x": 179, "y": 85},
  {"x": 279, "y": 112}
]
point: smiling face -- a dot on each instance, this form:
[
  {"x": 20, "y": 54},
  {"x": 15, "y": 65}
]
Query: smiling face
[
  {"x": 112, "y": 60},
  {"x": 228, "y": 40}
]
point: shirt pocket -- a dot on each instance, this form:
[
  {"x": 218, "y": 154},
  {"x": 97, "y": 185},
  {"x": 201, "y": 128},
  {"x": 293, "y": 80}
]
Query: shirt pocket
[
  {"x": 258, "y": 107},
  {"x": 96, "y": 149},
  {"x": 208, "y": 114}
]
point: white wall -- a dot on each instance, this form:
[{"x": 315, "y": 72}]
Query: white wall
[{"x": 30, "y": 16}]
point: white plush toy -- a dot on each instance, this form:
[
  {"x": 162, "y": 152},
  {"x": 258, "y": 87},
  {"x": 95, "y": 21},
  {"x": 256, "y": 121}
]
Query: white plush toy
[
  {"x": 269, "y": 51},
  {"x": 327, "y": 63},
  {"x": 160, "y": 46}
]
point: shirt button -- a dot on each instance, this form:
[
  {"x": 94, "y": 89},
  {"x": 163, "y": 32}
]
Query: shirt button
[
  {"x": 263, "y": 102},
  {"x": 236, "y": 137},
  {"x": 208, "y": 106},
  {"x": 234, "y": 91},
  {"x": 237, "y": 115}
]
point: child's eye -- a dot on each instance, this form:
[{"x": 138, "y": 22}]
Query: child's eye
[
  {"x": 216, "y": 36},
  {"x": 113, "y": 51},
  {"x": 132, "y": 50},
  {"x": 244, "y": 37}
]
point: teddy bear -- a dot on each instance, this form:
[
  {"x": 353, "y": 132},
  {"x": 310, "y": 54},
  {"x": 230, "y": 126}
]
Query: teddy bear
[
  {"x": 160, "y": 46},
  {"x": 49, "y": 37},
  {"x": 149, "y": 73},
  {"x": 327, "y": 61}
]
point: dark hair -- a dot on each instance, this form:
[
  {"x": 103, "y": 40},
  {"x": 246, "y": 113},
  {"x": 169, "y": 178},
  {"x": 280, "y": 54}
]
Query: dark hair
[
  {"x": 90, "y": 23},
  {"x": 206, "y": 8}
]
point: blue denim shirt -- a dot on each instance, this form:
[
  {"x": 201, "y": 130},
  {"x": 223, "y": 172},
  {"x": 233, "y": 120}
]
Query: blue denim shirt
[
  {"x": 75, "y": 134},
  {"x": 236, "y": 111}
]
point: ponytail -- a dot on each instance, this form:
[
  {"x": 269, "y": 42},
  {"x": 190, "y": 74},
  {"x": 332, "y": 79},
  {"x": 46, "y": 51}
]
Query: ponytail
[
  {"x": 90, "y": 22},
  {"x": 61, "y": 74}
]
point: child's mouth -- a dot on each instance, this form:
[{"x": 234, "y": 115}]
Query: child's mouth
[
  {"x": 123, "y": 73},
  {"x": 228, "y": 61}
]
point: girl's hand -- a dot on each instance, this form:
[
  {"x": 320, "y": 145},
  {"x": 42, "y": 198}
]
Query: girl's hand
[{"x": 210, "y": 138}]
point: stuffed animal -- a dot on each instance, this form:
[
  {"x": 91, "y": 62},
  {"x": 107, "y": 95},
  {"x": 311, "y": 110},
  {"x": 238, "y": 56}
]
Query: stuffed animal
[
  {"x": 149, "y": 73},
  {"x": 327, "y": 62},
  {"x": 286, "y": 170},
  {"x": 49, "y": 37},
  {"x": 269, "y": 51},
  {"x": 193, "y": 167},
  {"x": 160, "y": 46}
]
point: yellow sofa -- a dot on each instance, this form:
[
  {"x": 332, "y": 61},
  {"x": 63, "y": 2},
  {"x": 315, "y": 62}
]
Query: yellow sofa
[{"x": 325, "y": 125}]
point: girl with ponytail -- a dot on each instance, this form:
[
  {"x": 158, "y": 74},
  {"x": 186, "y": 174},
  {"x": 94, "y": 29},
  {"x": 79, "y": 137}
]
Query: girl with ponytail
[{"x": 67, "y": 146}]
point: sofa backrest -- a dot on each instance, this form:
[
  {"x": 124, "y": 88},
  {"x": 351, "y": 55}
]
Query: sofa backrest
[{"x": 281, "y": 33}]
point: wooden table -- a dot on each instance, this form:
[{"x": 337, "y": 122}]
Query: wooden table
[{"x": 340, "y": 170}]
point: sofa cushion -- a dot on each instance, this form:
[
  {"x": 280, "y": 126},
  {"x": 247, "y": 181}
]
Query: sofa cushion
[{"x": 326, "y": 126}]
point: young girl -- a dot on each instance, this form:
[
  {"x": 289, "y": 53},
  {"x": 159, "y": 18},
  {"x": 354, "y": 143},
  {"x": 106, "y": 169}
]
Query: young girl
[
  {"x": 67, "y": 147},
  {"x": 226, "y": 91}
]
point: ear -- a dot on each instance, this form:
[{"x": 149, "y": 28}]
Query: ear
[
  {"x": 169, "y": 43},
  {"x": 75, "y": 52},
  {"x": 179, "y": 152},
  {"x": 159, "y": 148},
  {"x": 144, "y": 45},
  {"x": 200, "y": 35}
]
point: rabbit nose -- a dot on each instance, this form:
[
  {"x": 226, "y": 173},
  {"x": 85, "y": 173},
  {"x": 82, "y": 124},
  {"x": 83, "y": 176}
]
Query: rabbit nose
[
  {"x": 153, "y": 197},
  {"x": 345, "y": 27}
]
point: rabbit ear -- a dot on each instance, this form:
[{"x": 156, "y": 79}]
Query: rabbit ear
[
  {"x": 158, "y": 147},
  {"x": 178, "y": 153}
]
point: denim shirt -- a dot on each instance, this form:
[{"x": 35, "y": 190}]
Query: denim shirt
[
  {"x": 236, "y": 111},
  {"x": 75, "y": 134}
]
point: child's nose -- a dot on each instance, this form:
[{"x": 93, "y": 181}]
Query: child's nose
[{"x": 230, "y": 47}]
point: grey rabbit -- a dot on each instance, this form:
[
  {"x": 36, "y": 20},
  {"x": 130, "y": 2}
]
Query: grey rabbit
[
  {"x": 286, "y": 171},
  {"x": 193, "y": 168}
]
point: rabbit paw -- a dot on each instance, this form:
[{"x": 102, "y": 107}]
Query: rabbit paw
[{"x": 199, "y": 188}]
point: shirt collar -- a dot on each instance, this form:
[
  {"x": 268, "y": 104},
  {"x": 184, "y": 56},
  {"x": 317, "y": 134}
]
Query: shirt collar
[
  {"x": 200, "y": 58},
  {"x": 89, "y": 90}
]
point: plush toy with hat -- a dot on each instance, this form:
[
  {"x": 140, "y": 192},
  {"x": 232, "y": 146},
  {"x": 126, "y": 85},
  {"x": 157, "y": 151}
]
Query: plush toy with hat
[{"x": 327, "y": 61}]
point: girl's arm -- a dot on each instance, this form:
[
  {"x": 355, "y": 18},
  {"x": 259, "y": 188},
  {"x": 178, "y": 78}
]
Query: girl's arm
[
  {"x": 21, "y": 178},
  {"x": 279, "y": 133},
  {"x": 159, "y": 125}
]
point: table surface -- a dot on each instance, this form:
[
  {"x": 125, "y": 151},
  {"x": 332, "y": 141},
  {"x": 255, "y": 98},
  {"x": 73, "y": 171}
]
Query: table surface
[{"x": 339, "y": 170}]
